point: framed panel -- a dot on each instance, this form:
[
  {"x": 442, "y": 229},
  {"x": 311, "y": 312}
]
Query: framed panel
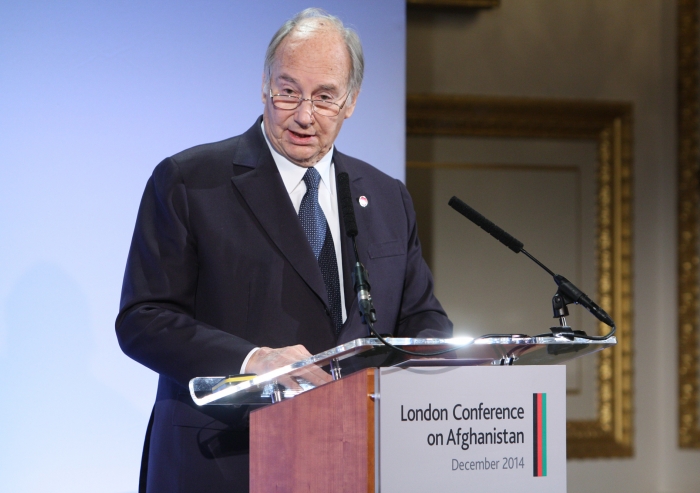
[
  {"x": 609, "y": 126},
  {"x": 688, "y": 227},
  {"x": 551, "y": 207}
]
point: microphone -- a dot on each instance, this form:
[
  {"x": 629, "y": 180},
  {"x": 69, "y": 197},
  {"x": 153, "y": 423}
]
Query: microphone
[
  {"x": 577, "y": 296},
  {"x": 360, "y": 276},
  {"x": 343, "y": 186},
  {"x": 362, "y": 287},
  {"x": 568, "y": 291},
  {"x": 486, "y": 225}
]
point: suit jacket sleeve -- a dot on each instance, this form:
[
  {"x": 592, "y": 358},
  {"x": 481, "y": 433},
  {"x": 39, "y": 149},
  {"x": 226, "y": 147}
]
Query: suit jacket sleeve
[
  {"x": 421, "y": 314},
  {"x": 157, "y": 324}
]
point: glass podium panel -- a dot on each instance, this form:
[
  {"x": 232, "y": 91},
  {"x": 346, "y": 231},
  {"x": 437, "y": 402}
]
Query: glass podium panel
[{"x": 259, "y": 390}]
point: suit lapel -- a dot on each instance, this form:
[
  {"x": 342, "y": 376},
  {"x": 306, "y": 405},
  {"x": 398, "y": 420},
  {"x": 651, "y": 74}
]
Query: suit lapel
[
  {"x": 346, "y": 243},
  {"x": 264, "y": 192}
]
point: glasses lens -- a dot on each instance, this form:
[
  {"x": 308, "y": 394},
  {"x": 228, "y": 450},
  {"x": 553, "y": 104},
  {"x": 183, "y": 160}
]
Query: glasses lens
[
  {"x": 285, "y": 102},
  {"x": 326, "y": 109}
]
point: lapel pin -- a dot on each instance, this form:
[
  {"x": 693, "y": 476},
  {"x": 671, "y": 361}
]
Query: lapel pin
[{"x": 363, "y": 201}]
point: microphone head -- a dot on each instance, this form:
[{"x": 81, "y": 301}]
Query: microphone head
[
  {"x": 342, "y": 182},
  {"x": 486, "y": 225}
]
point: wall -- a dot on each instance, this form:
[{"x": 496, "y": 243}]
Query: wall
[
  {"x": 593, "y": 50},
  {"x": 92, "y": 96}
]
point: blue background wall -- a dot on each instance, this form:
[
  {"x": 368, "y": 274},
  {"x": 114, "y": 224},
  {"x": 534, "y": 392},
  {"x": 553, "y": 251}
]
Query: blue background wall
[{"x": 92, "y": 96}]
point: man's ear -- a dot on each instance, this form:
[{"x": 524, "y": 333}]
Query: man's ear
[{"x": 350, "y": 106}]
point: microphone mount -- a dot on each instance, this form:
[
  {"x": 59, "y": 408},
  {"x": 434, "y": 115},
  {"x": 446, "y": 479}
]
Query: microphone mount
[{"x": 564, "y": 296}]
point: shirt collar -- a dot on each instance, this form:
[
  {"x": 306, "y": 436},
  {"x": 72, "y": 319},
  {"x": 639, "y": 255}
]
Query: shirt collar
[{"x": 293, "y": 174}]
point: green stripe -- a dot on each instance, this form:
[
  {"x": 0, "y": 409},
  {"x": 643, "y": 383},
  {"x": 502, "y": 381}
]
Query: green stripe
[{"x": 544, "y": 434}]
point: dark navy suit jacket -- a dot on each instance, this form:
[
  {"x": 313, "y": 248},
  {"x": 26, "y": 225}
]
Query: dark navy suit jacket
[{"x": 220, "y": 264}]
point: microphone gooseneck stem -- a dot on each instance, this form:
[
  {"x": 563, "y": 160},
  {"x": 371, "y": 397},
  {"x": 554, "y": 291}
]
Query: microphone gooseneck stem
[
  {"x": 354, "y": 247},
  {"x": 538, "y": 263},
  {"x": 362, "y": 289}
]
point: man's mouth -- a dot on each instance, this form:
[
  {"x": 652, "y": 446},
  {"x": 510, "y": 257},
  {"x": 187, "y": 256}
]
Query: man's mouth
[{"x": 299, "y": 138}]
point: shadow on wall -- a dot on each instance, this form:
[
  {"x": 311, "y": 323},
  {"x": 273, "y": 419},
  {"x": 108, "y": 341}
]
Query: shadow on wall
[{"x": 59, "y": 429}]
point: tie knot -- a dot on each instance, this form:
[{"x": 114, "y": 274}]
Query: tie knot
[{"x": 311, "y": 178}]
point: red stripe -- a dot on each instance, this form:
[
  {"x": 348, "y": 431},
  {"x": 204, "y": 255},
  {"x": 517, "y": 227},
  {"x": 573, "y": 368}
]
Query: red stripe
[{"x": 539, "y": 434}]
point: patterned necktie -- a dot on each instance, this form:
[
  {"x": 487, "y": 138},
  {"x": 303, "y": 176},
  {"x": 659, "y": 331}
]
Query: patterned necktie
[{"x": 313, "y": 221}]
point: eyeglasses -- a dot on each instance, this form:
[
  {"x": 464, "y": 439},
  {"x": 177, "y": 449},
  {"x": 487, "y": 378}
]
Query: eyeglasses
[{"x": 320, "y": 106}]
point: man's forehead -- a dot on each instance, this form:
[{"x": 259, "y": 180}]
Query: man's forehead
[
  {"x": 314, "y": 41},
  {"x": 323, "y": 57}
]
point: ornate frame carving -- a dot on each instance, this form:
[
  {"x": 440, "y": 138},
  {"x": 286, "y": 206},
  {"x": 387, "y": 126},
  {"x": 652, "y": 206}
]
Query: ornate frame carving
[
  {"x": 688, "y": 234},
  {"x": 610, "y": 125}
]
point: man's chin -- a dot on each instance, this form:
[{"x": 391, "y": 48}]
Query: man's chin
[
  {"x": 305, "y": 160},
  {"x": 308, "y": 163}
]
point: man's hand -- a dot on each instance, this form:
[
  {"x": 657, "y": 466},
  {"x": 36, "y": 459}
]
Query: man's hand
[{"x": 267, "y": 359}]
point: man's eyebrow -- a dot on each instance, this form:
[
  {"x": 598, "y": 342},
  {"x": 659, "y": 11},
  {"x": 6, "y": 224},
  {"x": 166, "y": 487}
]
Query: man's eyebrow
[
  {"x": 322, "y": 87},
  {"x": 327, "y": 87},
  {"x": 288, "y": 79}
]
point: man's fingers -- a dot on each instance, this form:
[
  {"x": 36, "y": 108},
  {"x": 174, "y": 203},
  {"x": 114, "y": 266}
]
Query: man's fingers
[
  {"x": 267, "y": 359},
  {"x": 314, "y": 374},
  {"x": 289, "y": 383}
]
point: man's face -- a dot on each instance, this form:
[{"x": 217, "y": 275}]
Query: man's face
[{"x": 309, "y": 63}]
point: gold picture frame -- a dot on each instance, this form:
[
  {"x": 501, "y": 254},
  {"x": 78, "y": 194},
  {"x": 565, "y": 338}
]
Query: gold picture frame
[
  {"x": 688, "y": 228},
  {"x": 610, "y": 126},
  {"x": 472, "y": 4}
]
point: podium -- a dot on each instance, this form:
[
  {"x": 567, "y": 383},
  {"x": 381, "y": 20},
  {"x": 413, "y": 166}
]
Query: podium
[
  {"x": 489, "y": 414},
  {"x": 323, "y": 440}
]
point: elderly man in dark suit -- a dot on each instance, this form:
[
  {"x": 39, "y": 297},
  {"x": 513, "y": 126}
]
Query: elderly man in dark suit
[{"x": 240, "y": 262}]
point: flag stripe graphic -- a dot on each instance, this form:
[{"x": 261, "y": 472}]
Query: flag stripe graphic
[
  {"x": 535, "y": 441},
  {"x": 544, "y": 434},
  {"x": 539, "y": 428}
]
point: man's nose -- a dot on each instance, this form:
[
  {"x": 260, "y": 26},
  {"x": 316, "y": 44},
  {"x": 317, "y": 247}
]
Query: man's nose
[{"x": 305, "y": 113}]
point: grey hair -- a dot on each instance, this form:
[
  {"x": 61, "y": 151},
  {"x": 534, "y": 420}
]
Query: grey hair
[{"x": 352, "y": 42}]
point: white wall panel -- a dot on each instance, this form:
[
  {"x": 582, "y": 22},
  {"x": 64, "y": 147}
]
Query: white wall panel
[{"x": 92, "y": 96}]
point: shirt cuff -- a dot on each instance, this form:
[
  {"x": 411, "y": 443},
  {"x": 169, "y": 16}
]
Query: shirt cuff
[{"x": 245, "y": 361}]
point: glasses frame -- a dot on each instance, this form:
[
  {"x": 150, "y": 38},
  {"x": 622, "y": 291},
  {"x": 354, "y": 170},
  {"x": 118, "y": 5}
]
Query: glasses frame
[{"x": 312, "y": 101}]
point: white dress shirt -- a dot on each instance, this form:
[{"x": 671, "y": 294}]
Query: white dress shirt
[{"x": 293, "y": 178}]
